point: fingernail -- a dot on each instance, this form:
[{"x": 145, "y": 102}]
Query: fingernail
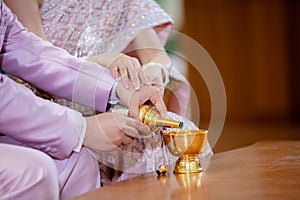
[
  {"x": 148, "y": 83},
  {"x": 126, "y": 86},
  {"x": 137, "y": 86}
]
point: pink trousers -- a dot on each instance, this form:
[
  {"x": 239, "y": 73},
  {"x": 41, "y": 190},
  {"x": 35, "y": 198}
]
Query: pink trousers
[{"x": 26, "y": 173}]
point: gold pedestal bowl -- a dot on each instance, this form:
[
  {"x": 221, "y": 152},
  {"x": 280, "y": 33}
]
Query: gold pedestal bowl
[{"x": 186, "y": 144}]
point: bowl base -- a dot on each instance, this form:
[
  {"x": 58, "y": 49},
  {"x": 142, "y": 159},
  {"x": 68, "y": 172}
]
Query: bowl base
[{"x": 187, "y": 164}]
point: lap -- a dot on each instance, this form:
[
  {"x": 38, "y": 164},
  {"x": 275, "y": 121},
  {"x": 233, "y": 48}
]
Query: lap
[
  {"x": 25, "y": 171},
  {"x": 17, "y": 160},
  {"x": 18, "y": 157}
]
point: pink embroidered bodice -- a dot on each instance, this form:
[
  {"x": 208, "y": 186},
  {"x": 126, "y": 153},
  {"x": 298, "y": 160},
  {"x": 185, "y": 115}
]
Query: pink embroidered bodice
[{"x": 89, "y": 27}]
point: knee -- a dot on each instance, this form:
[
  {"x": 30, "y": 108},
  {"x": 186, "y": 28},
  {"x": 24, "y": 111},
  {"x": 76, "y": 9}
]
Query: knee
[
  {"x": 41, "y": 170},
  {"x": 85, "y": 170},
  {"x": 33, "y": 173}
]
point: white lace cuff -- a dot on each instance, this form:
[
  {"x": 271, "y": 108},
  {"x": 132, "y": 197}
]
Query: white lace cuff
[
  {"x": 81, "y": 137},
  {"x": 113, "y": 98}
]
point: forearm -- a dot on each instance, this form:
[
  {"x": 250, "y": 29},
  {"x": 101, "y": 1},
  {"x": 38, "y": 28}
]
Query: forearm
[
  {"x": 38, "y": 123},
  {"x": 148, "y": 48},
  {"x": 28, "y": 13},
  {"x": 154, "y": 59}
]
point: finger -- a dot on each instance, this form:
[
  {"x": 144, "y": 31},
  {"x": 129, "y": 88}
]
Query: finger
[
  {"x": 114, "y": 71},
  {"x": 134, "y": 110},
  {"x": 144, "y": 79},
  {"x": 130, "y": 131},
  {"x": 109, "y": 146},
  {"x": 124, "y": 76},
  {"x": 161, "y": 108},
  {"x": 127, "y": 67},
  {"x": 126, "y": 140},
  {"x": 139, "y": 126},
  {"x": 135, "y": 79},
  {"x": 159, "y": 104},
  {"x": 133, "y": 66},
  {"x": 121, "y": 70},
  {"x": 140, "y": 72}
]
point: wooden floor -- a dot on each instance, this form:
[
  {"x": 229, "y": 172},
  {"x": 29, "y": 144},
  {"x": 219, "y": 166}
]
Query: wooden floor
[
  {"x": 267, "y": 170},
  {"x": 235, "y": 135}
]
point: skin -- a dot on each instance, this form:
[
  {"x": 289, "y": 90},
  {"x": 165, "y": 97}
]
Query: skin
[{"x": 107, "y": 131}]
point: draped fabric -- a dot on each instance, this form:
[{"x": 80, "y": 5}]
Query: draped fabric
[{"x": 91, "y": 27}]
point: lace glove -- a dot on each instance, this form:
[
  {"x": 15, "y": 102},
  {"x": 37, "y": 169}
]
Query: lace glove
[{"x": 157, "y": 73}]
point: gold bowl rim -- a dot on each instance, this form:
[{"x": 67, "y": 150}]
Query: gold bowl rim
[{"x": 186, "y": 132}]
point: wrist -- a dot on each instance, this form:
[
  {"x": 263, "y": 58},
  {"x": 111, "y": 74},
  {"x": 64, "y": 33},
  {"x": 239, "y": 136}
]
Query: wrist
[{"x": 164, "y": 69}]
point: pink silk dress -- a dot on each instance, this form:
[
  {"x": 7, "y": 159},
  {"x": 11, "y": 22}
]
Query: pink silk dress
[{"x": 90, "y": 27}]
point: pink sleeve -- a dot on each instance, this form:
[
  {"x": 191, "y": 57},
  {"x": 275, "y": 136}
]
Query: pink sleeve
[{"x": 36, "y": 122}]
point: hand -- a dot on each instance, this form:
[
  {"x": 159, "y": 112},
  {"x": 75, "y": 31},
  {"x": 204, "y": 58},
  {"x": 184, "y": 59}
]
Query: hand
[
  {"x": 107, "y": 131},
  {"x": 123, "y": 66},
  {"x": 155, "y": 76},
  {"x": 132, "y": 99}
]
